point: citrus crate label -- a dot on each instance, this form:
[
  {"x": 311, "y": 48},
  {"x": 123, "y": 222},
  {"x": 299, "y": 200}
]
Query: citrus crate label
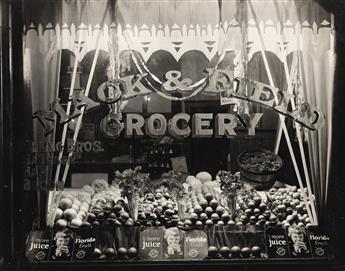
[
  {"x": 196, "y": 246},
  {"x": 277, "y": 243},
  {"x": 62, "y": 245},
  {"x": 173, "y": 244},
  {"x": 320, "y": 243},
  {"x": 38, "y": 246},
  {"x": 84, "y": 245},
  {"x": 298, "y": 242},
  {"x": 151, "y": 244}
]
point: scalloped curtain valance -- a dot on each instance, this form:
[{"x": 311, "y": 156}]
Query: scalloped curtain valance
[{"x": 169, "y": 12}]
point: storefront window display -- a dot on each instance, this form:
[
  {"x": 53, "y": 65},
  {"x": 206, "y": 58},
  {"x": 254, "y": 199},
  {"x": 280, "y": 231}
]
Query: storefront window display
[{"x": 177, "y": 130}]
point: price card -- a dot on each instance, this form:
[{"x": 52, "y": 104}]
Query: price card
[
  {"x": 62, "y": 245},
  {"x": 38, "y": 246},
  {"x": 196, "y": 246},
  {"x": 84, "y": 245},
  {"x": 151, "y": 244},
  {"x": 298, "y": 242},
  {"x": 277, "y": 243},
  {"x": 173, "y": 244},
  {"x": 320, "y": 242}
]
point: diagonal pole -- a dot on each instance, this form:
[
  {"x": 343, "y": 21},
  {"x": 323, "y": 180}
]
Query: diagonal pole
[
  {"x": 76, "y": 132},
  {"x": 65, "y": 127},
  {"x": 281, "y": 118},
  {"x": 300, "y": 144}
]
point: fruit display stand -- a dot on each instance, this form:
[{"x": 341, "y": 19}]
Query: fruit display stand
[{"x": 203, "y": 221}]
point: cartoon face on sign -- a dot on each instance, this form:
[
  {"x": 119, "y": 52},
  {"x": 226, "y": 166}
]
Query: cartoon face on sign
[
  {"x": 173, "y": 244},
  {"x": 63, "y": 245},
  {"x": 298, "y": 241}
]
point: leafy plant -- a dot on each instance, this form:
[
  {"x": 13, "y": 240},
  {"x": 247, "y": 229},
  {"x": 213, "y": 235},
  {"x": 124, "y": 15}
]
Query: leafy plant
[
  {"x": 132, "y": 181},
  {"x": 229, "y": 182}
]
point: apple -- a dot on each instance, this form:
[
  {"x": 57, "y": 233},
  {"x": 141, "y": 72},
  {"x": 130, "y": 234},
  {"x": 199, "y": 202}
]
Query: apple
[
  {"x": 244, "y": 218},
  {"x": 209, "y": 197},
  {"x": 235, "y": 251},
  {"x": 209, "y": 211},
  {"x": 117, "y": 222},
  {"x": 252, "y": 220},
  {"x": 188, "y": 222},
  {"x": 220, "y": 210},
  {"x": 76, "y": 222},
  {"x": 129, "y": 222},
  {"x": 193, "y": 217},
  {"x": 257, "y": 212},
  {"x": 257, "y": 200},
  {"x": 225, "y": 217},
  {"x": 215, "y": 217},
  {"x": 91, "y": 217},
  {"x": 212, "y": 251},
  {"x": 214, "y": 204},
  {"x": 121, "y": 252},
  {"x": 158, "y": 195},
  {"x": 262, "y": 206},
  {"x": 58, "y": 214},
  {"x": 198, "y": 209},
  {"x": 203, "y": 203},
  {"x": 132, "y": 252},
  {"x": 61, "y": 223},
  {"x": 199, "y": 224},
  {"x": 203, "y": 217},
  {"x": 248, "y": 212},
  {"x": 109, "y": 252},
  {"x": 85, "y": 224},
  {"x": 70, "y": 214},
  {"x": 95, "y": 224},
  {"x": 65, "y": 203},
  {"x": 245, "y": 252},
  {"x": 281, "y": 208},
  {"x": 124, "y": 216},
  {"x": 225, "y": 251},
  {"x": 97, "y": 253},
  {"x": 209, "y": 222},
  {"x": 117, "y": 208},
  {"x": 153, "y": 216},
  {"x": 251, "y": 204},
  {"x": 231, "y": 223}
]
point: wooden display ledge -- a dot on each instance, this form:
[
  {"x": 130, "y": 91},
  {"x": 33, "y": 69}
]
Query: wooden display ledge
[{"x": 204, "y": 265}]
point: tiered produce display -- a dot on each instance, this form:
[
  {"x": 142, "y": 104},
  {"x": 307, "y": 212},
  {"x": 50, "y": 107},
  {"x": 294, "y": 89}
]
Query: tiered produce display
[{"x": 227, "y": 208}]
